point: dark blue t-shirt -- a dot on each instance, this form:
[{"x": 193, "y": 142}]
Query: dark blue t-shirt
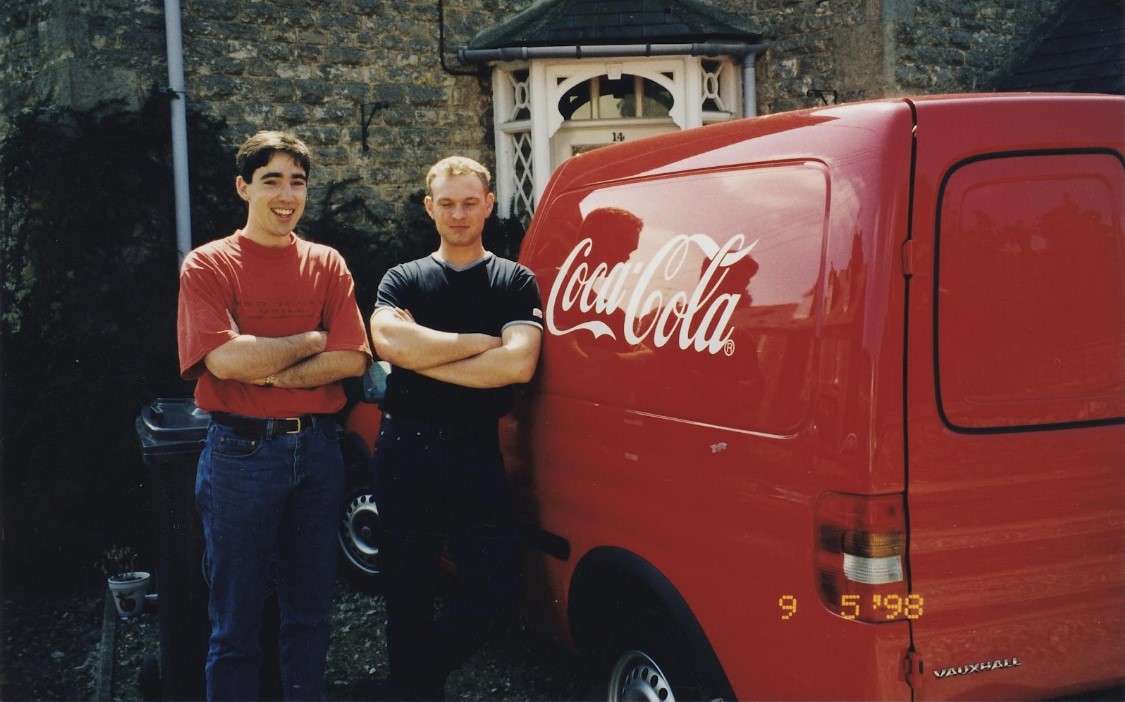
[{"x": 483, "y": 298}]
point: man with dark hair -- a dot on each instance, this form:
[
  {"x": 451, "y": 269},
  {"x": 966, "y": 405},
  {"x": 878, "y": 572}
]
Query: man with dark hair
[
  {"x": 460, "y": 327},
  {"x": 268, "y": 326}
]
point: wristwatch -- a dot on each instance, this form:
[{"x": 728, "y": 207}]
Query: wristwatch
[{"x": 269, "y": 381}]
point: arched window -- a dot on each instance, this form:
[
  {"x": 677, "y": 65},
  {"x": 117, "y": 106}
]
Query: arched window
[
  {"x": 547, "y": 110},
  {"x": 602, "y": 97}
]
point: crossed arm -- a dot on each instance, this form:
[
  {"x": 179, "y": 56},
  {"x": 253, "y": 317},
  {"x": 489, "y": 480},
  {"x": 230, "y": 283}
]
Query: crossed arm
[
  {"x": 297, "y": 361},
  {"x": 469, "y": 360}
]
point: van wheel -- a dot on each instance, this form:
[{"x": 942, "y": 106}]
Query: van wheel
[
  {"x": 637, "y": 678},
  {"x": 650, "y": 663},
  {"x": 358, "y": 537}
]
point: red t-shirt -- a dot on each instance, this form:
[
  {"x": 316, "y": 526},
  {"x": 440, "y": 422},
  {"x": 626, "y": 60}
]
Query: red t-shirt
[{"x": 268, "y": 292}]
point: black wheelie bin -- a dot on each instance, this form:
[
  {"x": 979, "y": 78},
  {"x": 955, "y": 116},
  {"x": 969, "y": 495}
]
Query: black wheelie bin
[{"x": 172, "y": 432}]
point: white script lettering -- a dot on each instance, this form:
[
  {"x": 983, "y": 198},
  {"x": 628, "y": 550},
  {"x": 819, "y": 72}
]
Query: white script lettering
[{"x": 698, "y": 319}]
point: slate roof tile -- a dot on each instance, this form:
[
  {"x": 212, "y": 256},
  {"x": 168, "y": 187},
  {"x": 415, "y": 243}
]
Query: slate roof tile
[
  {"x": 1083, "y": 52},
  {"x": 564, "y": 22}
]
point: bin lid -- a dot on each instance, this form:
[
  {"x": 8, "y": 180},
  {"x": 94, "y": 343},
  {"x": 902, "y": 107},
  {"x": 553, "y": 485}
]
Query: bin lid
[{"x": 169, "y": 425}]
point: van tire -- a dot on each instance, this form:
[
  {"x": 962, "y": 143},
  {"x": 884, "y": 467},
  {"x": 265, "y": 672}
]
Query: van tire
[
  {"x": 624, "y": 614},
  {"x": 358, "y": 532},
  {"x": 648, "y": 661},
  {"x": 635, "y": 676},
  {"x": 358, "y": 538}
]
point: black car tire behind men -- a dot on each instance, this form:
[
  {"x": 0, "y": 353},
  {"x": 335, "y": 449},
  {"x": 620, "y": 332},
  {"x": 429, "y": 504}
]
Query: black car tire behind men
[{"x": 358, "y": 533}]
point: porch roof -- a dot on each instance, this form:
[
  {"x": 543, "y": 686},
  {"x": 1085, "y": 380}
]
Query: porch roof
[{"x": 612, "y": 22}]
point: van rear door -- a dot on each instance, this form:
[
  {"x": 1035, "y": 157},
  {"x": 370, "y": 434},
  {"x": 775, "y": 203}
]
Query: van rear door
[{"x": 1016, "y": 397}]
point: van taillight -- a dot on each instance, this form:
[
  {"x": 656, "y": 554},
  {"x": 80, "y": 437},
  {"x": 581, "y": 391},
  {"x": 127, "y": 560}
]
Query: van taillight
[{"x": 860, "y": 556}]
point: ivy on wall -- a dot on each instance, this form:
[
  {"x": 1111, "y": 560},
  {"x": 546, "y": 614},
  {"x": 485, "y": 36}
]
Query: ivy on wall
[{"x": 87, "y": 333}]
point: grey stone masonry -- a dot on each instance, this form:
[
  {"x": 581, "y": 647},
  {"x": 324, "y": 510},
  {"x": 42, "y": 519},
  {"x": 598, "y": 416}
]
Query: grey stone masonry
[{"x": 318, "y": 68}]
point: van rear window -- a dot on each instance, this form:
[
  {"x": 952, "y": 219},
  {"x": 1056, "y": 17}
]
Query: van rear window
[
  {"x": 691, "y": 296},
  {"x": 1030, "y": 302}
]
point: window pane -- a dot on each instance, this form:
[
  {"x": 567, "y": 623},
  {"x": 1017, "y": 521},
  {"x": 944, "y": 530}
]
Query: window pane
[
  {"x": 575, "y": 103},
  {"x": 658, "y": 101},
  {"x": 617, "y": 99},
  {"x": 520, "y": 84},
  {"x": 1031, "y": 292}
]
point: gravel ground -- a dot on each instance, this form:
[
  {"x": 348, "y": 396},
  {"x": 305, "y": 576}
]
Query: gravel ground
[{"x": 54, "y": 651}]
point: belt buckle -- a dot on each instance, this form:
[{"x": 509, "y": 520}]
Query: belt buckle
[{"x": 298, "y": 429}]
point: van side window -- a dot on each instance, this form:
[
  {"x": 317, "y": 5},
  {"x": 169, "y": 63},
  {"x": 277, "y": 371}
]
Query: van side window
[
  {"x": 695, "y": 310},
  {"x": 1030, "y": 291}
]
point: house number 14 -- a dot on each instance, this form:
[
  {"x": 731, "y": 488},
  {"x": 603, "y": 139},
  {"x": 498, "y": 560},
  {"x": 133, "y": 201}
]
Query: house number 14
[{"x": 618, "y": 136}]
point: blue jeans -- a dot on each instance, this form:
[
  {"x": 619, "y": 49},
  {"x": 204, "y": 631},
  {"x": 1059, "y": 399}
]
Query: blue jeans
[
  {"x": 269, "y": 506},
  {"x": 442, "y": 488}
]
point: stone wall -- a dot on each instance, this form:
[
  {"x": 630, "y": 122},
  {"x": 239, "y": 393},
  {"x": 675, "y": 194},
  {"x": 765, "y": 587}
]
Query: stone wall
[
  {"x": 943, "y": 46},
  {"x": 19, "y": 53},
  {"x": 855, "y": 50},
  {"x": 77, "y": 53},
  {"x": 318, "y": 67},
  {"x": 314, "y": 68},
  {"x": 321, "y": 68}
]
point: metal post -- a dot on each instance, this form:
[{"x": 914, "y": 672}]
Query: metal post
[{"x": 179, "y": 127}]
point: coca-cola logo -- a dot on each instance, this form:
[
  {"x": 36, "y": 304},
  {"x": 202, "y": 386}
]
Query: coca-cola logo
[{"x": 653, "y": 309}]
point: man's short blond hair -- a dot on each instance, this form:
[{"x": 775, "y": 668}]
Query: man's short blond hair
[{"x": 456, "y": 166}]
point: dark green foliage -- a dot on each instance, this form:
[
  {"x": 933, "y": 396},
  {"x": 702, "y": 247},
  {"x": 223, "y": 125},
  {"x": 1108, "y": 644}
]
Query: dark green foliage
[
  {"x": 503, "y": 237},
  {"x": 87, "y": 236},
  {"x": 376, "y": 245}
]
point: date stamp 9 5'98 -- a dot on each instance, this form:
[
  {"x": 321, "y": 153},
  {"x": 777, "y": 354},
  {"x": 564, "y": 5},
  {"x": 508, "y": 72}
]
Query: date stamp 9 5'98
[{"x": 889, "y": 607}]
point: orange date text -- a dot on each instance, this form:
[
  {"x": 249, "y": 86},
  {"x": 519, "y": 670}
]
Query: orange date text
[{"x": 889, "y": 607}]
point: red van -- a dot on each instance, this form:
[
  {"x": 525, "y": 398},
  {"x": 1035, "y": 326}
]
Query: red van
[{"x": 832, "y": 404}]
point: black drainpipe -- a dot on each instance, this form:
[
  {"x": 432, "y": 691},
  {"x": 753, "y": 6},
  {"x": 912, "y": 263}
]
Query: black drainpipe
[{"x": 441, "y": 46}]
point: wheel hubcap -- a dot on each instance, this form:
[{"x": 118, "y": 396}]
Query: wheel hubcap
[
  {"x": 359, "y": 529},
  {"x": 636, "y": 678}
]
